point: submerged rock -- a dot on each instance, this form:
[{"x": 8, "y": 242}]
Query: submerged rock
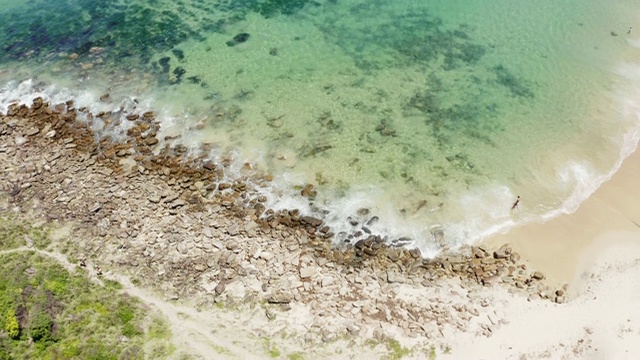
[
  {"x": 238, "y": 39},
  {"x": 164, "y": 63}
]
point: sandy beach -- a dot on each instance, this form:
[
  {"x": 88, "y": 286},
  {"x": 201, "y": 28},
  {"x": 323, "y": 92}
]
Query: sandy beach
[
  {"x": 235, "y": 279},
  {"x": 600, "y": 321},
  {"x": 596, "y": 251}
]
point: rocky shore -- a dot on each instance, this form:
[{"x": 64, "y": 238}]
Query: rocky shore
[{"x": 179, "y": 224}]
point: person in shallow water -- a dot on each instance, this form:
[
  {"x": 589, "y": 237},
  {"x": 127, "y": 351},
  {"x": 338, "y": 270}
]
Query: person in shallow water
[{"x": 515, "y": 204}]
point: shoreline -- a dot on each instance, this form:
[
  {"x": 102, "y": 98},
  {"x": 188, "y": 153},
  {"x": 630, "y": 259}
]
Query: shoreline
[{"x": 563, "y": 246}]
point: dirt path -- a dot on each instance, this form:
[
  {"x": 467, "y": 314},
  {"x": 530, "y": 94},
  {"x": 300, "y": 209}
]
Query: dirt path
[{"x": 201, "y": 334}]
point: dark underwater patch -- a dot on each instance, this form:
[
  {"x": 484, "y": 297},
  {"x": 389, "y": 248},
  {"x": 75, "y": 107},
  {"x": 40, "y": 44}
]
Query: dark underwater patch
[{"x": 76, "y": 26}]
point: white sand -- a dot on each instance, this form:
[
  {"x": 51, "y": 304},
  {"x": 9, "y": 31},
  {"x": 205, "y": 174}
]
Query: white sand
[{"x": 603, "y": 322}]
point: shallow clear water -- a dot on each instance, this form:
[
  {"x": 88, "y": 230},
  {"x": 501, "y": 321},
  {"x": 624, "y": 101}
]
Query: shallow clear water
[{"x": 434, "y": 115}]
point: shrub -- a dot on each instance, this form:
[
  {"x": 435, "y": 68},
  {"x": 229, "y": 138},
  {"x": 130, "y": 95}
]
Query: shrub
[
  {"x": 12, "y": 328},
  {"x": 40, "y": 325}
]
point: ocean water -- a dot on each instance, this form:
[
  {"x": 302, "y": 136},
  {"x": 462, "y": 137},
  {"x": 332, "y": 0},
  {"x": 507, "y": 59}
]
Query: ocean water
[{"x": 433, "y": 115}]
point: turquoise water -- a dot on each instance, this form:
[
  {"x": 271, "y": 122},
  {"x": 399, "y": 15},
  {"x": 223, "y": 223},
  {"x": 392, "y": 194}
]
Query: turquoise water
[{"x": 433, "y": 115}]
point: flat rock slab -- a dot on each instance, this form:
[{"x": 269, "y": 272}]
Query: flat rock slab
[{"x": 307, "y": 272}]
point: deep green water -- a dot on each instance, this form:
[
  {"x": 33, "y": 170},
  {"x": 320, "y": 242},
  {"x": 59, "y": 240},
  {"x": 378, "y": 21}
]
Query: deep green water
[{"x": 435, "y": 115}]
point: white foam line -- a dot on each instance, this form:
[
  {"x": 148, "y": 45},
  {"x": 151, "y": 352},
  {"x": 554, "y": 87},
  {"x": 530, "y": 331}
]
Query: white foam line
[{"x": 471, "y": 229}]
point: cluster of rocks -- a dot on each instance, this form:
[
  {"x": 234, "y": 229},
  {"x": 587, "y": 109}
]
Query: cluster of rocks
[{"x": 177, "y": 222}]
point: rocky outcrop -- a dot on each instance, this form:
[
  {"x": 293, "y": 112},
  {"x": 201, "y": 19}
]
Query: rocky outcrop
[{"x": 180, "y": 224}]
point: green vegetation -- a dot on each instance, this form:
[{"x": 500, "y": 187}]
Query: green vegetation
[
  {"x": 271, "y": 349},
  {"x": 14, "y": 234},
  {"x": 295, "y": 356},
  {"x": 396, "y": 351},
  {"x": 432, "y": 353},
  {"x": 46, "y": 312}
]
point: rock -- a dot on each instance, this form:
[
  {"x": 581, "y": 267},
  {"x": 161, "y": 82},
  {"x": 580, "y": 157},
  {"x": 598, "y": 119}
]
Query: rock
[
  {"x": 393, "y": 277},
  {"x": 369, "y": 251},
  {"x": 32, "y": 131},
  {"x": 307, "y": 272},
  {"x": 232, "y": 245},
  {"x": 95, "y": 207},
  {"x": 280, "y": 298},
  {"x": 415, "y": 253},
  {"x": 233, "y": 230},
  {"x": 238, "y": 39},
  {"x": 537, "y": 275},
  {"x": 309, "y": 191},
  {"x": 327, "y": 280},
  {"x": 372, "y": 221},
  {"x": 28, "y": 241},
  {"x": 219, "y": 289},
  {"x": 250, "y": 226},
  {"x": 560, "y": 292},
  {"x": 327, "y": 336},
  {"x": 151, "y": 141},
  {"x": 182, "y": 248},
  {"x": 315, "y": 222},
  {"x": 266, "y": 256},
  {"x": 20, "y": 140},
  {"x": 387, "y": 131},
  {"x": 393, "y": 254},
  {"x": 503, "y": 252},
  {"x": 37, "y": 103},
  {"x": 177, "y": 203},
  {"x": 52, "y": 157},
  {"x": 270, "y": 314}
]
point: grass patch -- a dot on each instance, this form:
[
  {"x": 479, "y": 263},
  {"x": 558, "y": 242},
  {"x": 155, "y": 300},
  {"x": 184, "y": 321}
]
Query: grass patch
[
  {"x": 295, "y": 356},
  {"x": 12, "y": 234},
  {"x": 271, "y": 349},
  {"x": 48, "y": 313},
  {"x": 396, "y": 351},
  {"x": 432, "y": 353},
  {"x": 158, "y": 330},
  {"x": 371, "y": 343},
  {"x": 220, "y": 350}
]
